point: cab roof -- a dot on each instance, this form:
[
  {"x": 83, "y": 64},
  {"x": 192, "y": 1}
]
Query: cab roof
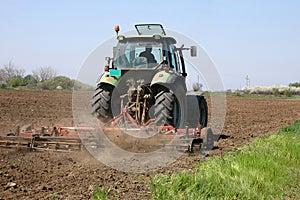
[
  {"x": 148, "y": 32},
  {"x": 123, "y": 38}
]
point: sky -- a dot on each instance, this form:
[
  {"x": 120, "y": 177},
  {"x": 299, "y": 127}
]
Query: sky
[{"x": 254, "y": 38}]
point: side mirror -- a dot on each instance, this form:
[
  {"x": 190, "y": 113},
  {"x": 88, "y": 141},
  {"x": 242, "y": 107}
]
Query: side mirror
[
  {"x": 114, "y": 52},
  {"x": 193, "y": 50},
  {"x": 107, "y": 59}
]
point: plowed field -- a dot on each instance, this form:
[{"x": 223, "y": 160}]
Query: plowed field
[{"x": 50, "y": 175}]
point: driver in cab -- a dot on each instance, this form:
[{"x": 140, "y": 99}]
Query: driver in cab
[{"x": 148, "y": 55}]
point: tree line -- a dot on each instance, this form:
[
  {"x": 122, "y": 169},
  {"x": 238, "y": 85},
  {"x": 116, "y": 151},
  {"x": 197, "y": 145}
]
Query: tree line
[{"x": 42, "y": 78}]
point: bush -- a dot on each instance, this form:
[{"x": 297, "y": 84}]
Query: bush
[
  {"x": 288, "y": 93},
  {"x": 3, "y": 86},
  {"x": 29, "y": 80},
  {"x": 15, "y": 81},
  {"x": 57, "y": 82},
  {"x": 276, "y": 92}
]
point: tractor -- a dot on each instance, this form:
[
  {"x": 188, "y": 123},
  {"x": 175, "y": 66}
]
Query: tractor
[{"x": 145, "y": 81}]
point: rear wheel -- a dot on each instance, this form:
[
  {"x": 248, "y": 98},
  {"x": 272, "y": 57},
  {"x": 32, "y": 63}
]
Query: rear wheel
[
  {"x": 101, "y": 105},
  {"x": 169, "y": 109},
  {"x": 203, "y": 112}
]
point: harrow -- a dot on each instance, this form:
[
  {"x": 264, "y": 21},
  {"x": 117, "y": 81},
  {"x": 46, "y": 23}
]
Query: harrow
[
  {"x": 66, "y": 139},
  {"x": 54, "y": 138},
  {"x": 190, "y": 139}
]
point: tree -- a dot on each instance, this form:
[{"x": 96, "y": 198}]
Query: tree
[
  {"x": 29, "y": 81},
  {"x": 296, "y": 84},
  {"x": 10, "y": 71},
  {"x": 3, "y": 77},
  {"x": 44, "y": 73}
]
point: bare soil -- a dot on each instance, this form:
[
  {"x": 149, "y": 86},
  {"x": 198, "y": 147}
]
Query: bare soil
[{"x": 54, "y": 175}]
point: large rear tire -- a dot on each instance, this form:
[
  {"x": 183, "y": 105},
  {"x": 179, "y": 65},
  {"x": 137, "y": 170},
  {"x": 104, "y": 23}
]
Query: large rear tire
[
  {"x": 203, "y": 112},
  {"x": 169, "y": 109},
  {"x": 101, "y": 104}
]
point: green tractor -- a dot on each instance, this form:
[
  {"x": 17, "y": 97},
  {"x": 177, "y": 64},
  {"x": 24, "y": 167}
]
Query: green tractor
[{"x": 146, "y": 79}]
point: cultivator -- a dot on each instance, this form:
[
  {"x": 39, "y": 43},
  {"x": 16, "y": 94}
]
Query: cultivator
[
  {"x": 189, "y": 139},
  {"x": 54, "y": 138},
  {"x": 42, "y": 143},
  {"x": 66, "y": 139}
]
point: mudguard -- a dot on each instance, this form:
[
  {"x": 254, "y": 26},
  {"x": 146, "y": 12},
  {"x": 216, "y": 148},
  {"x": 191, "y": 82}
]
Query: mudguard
[
  {"x": 111, "y": 80},
  {"x": 169, "y": 79},
  {"x": 161, "y": 77}
]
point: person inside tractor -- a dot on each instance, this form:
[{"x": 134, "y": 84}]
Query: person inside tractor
[{"x": 147, "y": 54}]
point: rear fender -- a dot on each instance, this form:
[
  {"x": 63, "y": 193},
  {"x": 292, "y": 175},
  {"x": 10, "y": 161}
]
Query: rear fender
[
  {"x": 161, "y": 77},
  {"x": 170, "y": 80},
  {"x": 111, "y": 80}
]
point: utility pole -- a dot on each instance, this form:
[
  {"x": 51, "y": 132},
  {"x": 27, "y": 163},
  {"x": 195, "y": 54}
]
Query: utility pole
[{"x": 247, "y": 81}]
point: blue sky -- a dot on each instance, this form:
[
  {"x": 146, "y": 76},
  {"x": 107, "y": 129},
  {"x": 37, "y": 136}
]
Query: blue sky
[{"x": 260, "y": 39}]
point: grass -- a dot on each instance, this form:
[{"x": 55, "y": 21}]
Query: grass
[
  {"x": 103, "y": 193},
  {"x": 54, "y": 196},
  {"x": 100, "y": 193},
  {"x": 268, "y": 168}
]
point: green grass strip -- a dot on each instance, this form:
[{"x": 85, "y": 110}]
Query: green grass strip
[{"x": 268, "y": 168}]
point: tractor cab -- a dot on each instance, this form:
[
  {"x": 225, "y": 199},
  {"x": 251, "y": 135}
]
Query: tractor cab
[{"x": 147, "y": 50}]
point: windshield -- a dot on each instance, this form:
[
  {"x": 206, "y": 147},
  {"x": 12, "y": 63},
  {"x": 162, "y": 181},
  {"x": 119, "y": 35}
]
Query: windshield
[
  {"x": 137, "y": 54},
  {"x": 150, "y": 29}
]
